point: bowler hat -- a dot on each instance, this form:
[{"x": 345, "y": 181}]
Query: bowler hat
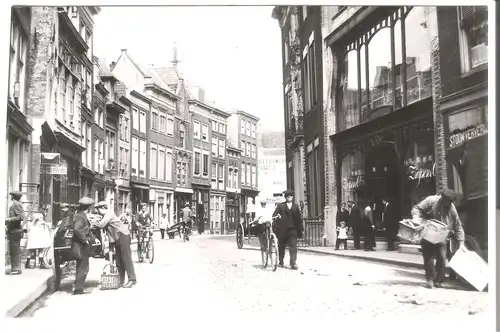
[
  {"x": 101, "y": 204},
  {"x": 85, "y": 201},
  {"x": 288, "y": 193},
  {"x": 16, "y": 193}
]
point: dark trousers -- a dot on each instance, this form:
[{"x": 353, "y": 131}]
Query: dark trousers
[
  {"x": 391, "y": 237},
  {"x": 124, "y": 258},
  {"x": 356, "y": 234},
  {"x": 82, "y": 268},
  {"x": 437, "y": 251},
  {"x": 339, "y": 242},
  {"x": 288, "y": 238},
  {"x": 369, "y": 237},
  {"x": 15, "y": 250},
  {"x": 162, "y": 232}
]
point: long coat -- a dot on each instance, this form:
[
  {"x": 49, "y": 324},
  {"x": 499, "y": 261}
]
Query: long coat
[
  {"x": 82, "y": 234},
  {"x": 291, "y": 219},
  {"x": 390, "y": 217},
  {"x": 16, "y": 216},
  {"x": 355, "y": 220}
]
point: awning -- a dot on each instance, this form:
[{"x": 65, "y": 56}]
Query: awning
[
  {"x": 139, "y": 186},
  {"x": 48, "y": 136},
  {"x": 184, "y": 190}
]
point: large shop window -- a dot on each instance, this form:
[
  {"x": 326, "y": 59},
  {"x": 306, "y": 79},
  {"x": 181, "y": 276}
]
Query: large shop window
[
  {"x": 420, "y": 180},
  {"x": 467, "y": 153},
  {"x": 373, "y": 79},
  {"x": 352, "y": 176}
]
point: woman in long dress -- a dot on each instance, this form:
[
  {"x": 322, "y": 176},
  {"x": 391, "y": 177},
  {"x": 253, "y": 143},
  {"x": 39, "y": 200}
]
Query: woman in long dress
[{"x": 38, "y": 239}]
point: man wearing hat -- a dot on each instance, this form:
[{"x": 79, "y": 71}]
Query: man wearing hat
[
  {"x": 82, "y": 240},
  {"x": 119, "y": 234},
  {"x": 288, "y": 228},
  {"x": 14, "y": 230},
  {"x": 439, "y": 207}
]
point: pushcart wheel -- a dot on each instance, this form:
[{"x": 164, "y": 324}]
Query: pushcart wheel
[
  {"x": 48, "y": 257},
  {"x": 264, "y": 252},
  {"x": 239, "y": 236},
  {"x": 273, "y": 252},
  {"x": 57, "y": 272},
  {"x": 151, "y": 251}
]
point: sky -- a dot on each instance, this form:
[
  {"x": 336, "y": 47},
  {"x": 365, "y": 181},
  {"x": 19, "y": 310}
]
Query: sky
[{"x": 234, "y": 53}]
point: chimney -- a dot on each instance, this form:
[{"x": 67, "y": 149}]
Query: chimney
[{"x": 112, "y": 65}]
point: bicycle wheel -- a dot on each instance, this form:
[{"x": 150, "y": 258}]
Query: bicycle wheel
[
  {"x": 151, "y": 251},
  {"x": 273, "y": 252},
  {"x": 140, "y": 256},
  {"x": 239, "y": 236},
  {"x": 264, "y": 252}
]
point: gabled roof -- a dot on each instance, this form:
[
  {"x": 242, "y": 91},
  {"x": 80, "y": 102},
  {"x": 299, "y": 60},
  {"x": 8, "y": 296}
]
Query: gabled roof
[{"x": 147, "y": 72}]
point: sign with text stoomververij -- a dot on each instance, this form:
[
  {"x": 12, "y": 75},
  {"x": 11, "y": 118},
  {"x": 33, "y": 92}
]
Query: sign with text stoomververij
[{"x": 471, "y": 267}]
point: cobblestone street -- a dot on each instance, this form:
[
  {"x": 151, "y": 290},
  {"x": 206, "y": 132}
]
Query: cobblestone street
[{"x": 208, "y": 271}]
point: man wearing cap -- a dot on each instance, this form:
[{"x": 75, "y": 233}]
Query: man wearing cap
[
  {"x": 119, "y": 234},
  {"x": 262, "y": 216},
  {"x": 14, "y": 225},
  {"x": 439, "y": 207},
  {"x": 288, "y": 228},
  {"x": 82, "y": 240}
]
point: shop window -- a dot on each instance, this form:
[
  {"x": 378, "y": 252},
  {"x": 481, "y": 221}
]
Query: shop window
[
  {"x": 473, "y": 29},
  {"x": 352, "y": 176},
  {"x": 418, "y": 55},
  {"x": 349, "y": 115},
  {"x": 380, "y": 69}
]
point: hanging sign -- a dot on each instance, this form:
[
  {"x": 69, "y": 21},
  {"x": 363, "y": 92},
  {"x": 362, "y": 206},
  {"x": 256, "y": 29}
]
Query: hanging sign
[{"x": 468, "y": 134}]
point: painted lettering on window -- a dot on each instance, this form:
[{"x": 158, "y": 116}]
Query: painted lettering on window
[{"x": 468, "y": 134}]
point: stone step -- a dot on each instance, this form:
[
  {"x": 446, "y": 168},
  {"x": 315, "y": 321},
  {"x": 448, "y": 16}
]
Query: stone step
[{"x": 382, "y": 245}]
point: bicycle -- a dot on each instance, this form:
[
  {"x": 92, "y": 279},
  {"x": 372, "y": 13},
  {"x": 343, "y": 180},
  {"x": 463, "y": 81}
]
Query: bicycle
[
  {"x": 269, "y": 249},
  {"x": 145, "y": 246},
  {"x": 186, "y": 231}
]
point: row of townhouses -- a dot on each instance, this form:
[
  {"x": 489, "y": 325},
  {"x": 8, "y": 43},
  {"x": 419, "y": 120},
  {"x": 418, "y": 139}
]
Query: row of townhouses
[
  {"x": 386, "y": 101},
  {"x": 122, "y": 132}
]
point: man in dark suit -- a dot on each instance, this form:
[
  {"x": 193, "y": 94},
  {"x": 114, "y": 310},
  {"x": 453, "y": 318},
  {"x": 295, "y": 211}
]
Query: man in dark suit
[
  {"x": 390, "y": 220},
  {"x": 355, "y": 222},
  {"x": 82, "y": 240},
  {"x": 14, "y": 230},
  {"x": 288, "y": 228}
]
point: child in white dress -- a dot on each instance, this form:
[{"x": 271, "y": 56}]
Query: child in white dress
[{"x": 342, "y": 237}]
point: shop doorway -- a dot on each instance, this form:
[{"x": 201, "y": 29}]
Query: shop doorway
[{"x": 382, "y": 180}]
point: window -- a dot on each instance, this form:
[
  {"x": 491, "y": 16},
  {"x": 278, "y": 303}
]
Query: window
[
  {"x": 254, "y": 176},
  {"x": 89, "y": 145},
  {"x": 304, "y": 12},
  {"x": 248, "y": 174},
  {"x": 111, "y": 145},
  {"x": 248, "y": 149},
  {"x": 196, "y": 129},
  {"x": 248, "y": 129},
  {"x": 142, "y": 160},
  {"x": 214, "y": 147},
  {"x": 254, "y": 151},
  {"x": 309, "y": 73},
  {"x": 170, "y": 126},
  {"x": 197, "y": 160},
  {"x": 473, "y": 36},
  {"x": 182, "y": 138},
  {"x": 214, "y": 125},
  {"x": 17, "y": 64},
  {"x": 142, "y": 122},
  {"x": 242, "y": 147},
  {"x": 314, "y": 181},
  {"x": 214, "y": 176},
  {"x": 243, "y": 170},
  {"x": 182, "y": 170},
  {"x": 205, "y": 163},
  {"x": 220, "y": 175},
  {"x": 154, "y": 120},
  {"x": 204, "y": 133},
  {"x": 101, "y": 156},
  {"x": 222, "y": 148},
  {"x": 168, "y": 165},
  {"x": 235, "y": 178},
  {"x": 153, "y": 161},
  {"x": 96, "y": 154},
  {"x": 135, "y": 156},
  {"x": 62, "y": 97},
  {"x": 84, "y": 143},
  {"x": 135, "y": 118},
  {"x": 243, "y": 127},
  {"x": 254, "y": 130},
  {"x": 88, "y": 40},
  {"x": 161, "y": 163},
  {"x": 222, "y": 128},
  {"x": 163, "y": 123}
]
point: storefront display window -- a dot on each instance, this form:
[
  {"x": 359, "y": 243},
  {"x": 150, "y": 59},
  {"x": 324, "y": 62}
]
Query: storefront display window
[
  {"x": 352, "y": 176},
  {"x": 380, "y": 69}
]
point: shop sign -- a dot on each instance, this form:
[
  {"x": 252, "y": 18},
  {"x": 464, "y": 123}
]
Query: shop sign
[
  {"x": 419, "y": 174},
  {"x": 53, "y": 169},
  {"x": 468, "y": 134},
  {"x": 358, "y": 182}
]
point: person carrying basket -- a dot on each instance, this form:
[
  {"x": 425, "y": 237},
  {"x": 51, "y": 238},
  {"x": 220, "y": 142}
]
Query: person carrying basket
[{"x": 441, "y": 208}]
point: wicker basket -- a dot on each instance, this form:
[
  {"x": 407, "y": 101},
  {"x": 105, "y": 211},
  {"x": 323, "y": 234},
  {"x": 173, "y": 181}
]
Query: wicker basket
[
  {"x": 110, "y": 278},
  {"x": 408, "y": 232}
]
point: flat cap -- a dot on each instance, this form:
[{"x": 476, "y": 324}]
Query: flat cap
[
  {"x": 86, "y": 201},
  {"x": 16, "y": 193},
  {"x": 288, "y": 192},
  {"x": 101, "y": 204},
  {"x": 450, "y": 194}
]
